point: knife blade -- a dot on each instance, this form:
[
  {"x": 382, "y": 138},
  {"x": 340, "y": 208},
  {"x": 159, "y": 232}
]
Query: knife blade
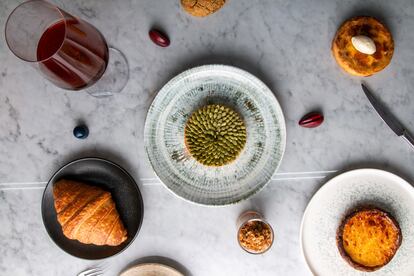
[{"x": 387, "y": 117}]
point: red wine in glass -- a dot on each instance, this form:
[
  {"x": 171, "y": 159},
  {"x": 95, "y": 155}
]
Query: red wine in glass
[
  {"x": 72, "y": 54},
  {"x": 68, "y": 51}
]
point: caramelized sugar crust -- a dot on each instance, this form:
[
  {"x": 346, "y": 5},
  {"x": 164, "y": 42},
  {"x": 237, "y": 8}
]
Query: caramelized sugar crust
[{"x": 368, "y": 239}]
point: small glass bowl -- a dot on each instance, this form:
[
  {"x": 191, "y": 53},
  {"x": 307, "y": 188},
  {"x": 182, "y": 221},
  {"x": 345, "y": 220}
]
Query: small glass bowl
[{"x": 248, "y": 217}]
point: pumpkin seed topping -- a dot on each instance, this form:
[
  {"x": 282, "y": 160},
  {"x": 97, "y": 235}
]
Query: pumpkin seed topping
[{"x": 215, "y": 135}]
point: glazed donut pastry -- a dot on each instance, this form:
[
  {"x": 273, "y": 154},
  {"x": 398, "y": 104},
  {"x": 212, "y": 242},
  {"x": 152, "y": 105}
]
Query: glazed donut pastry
[
  {"x": 368, "y": 238},
  {"x": 363, "y": 46}
]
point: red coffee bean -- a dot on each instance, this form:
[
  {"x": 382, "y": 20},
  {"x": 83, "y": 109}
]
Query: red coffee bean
[
  {"x": 311, "y": 120},
  {"x": 159, "y": 38}
]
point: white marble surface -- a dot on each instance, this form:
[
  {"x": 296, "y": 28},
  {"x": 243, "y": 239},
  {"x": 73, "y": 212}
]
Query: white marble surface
[{"x": 285, "y": 43}]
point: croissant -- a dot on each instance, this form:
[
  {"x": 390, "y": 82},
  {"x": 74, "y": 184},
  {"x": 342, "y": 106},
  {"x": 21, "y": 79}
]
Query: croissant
[{"x": 88, "y": 214}]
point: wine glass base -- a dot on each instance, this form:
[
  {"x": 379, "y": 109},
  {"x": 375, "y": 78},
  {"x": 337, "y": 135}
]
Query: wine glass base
[{"x": 115, "y": 77}]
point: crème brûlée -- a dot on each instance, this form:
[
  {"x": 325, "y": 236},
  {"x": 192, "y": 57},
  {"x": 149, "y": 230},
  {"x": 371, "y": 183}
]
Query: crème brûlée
[
  {"x": 368, "y": 239},
  {"x": 354, "y": 61}
]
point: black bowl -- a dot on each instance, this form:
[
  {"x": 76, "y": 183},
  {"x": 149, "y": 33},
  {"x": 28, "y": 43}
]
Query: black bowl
[{"x": 109, "y": 176}]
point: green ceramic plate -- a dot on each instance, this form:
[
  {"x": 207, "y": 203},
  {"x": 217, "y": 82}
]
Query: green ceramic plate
[{"x": 215, "y": 84}]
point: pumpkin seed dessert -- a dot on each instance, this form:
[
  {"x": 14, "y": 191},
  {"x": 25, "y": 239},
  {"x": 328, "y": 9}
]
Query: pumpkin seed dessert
[{"x": 215, "y": 135}]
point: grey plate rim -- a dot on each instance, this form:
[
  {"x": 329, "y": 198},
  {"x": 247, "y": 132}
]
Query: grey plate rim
[
  {"x": 172, "y": 269},
  {"x": 259, "y": 81},
  {"x": 100, "y": 160}
]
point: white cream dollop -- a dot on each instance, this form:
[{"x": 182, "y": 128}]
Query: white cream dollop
[{"x": 364, "y": 44}]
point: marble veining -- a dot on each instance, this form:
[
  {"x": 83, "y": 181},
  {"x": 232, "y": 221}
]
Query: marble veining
[{"x": 284, "y": 43}]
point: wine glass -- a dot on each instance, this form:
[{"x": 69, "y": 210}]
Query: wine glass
[{"x": 66, "y": 50}]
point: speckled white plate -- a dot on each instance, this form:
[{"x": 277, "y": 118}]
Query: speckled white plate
[
  {"x": 151, "y": 269},
  {"x": 336, "y": 199},
  {"x": 164, "y": 135}
]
